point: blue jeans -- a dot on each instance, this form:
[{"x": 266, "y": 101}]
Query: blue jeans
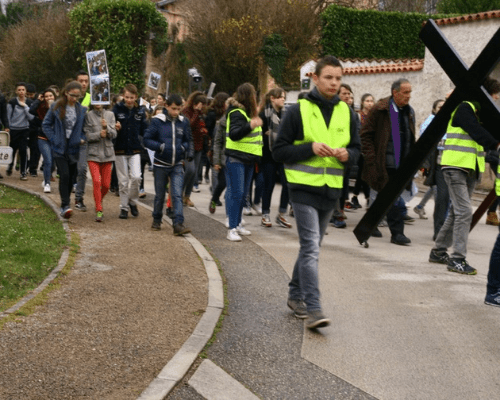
[
  {"x": 161, "y": 175},
  {"x": 493, "y": 285},
  {"x": 455, "y": 230},
  {"x": 311, "y": 226},
  {"x": 269, "y": 174},
  {"x": 238, "y": 180},
  {"x": 258, "y": 178},
  {"x": 46, "y": 152}
]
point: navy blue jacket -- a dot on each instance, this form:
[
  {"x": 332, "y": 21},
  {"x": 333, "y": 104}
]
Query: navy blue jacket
[
  {"x": 134, "y": 124},
  {"x": 173, "y": 135},
  {"x": 54, "y": 129}
]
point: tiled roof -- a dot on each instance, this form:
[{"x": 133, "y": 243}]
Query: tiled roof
[
  {"x": 407, "y": 66},
  {"x": 468, "y": 18},
  {"x": 379, "y": 66}
]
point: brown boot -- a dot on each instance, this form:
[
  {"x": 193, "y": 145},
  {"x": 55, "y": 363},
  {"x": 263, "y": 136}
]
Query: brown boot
[
  {"x": 187, "y": 202},
  {"x": 492, "y": 219}
]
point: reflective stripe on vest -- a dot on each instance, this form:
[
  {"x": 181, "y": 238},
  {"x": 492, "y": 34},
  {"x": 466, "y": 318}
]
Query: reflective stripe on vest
[
  {"x": 460, "y": 150},
  {"x": 497, "y": 181},
  {"x": 320, "y": 171},
  {"x": 251, "y": 143}
]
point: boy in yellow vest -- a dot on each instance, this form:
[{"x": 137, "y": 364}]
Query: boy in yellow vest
[
  {"x": 462, "y": 162},
  {"x": 316, "y": 138}
]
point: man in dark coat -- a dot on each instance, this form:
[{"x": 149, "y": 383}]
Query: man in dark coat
[{"x": 386, "y": 138}]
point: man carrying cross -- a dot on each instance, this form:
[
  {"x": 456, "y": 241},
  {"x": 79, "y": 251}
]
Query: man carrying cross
[
  {"x": 386, "y": 138},
  {"x": 462, "y": 162}
]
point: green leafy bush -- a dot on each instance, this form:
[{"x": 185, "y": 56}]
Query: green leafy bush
[
  {"x": 351, "y": 33},
  {"x": 122, "y": 28},
  {"x": 275, "y": 55}
]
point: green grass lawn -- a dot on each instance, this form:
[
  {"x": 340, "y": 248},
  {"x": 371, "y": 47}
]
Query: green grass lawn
[{"x": 31, "y": 243}]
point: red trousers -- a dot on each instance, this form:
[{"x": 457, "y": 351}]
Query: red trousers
[{"x": 101, "y": 178}]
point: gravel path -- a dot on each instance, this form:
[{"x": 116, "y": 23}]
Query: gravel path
[{"x": 129, "y": 303}]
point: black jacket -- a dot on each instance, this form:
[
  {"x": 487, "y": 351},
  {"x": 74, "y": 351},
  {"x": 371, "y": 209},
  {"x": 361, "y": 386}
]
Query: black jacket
[
  {"x": 291, "y": 129},
  {"x": 3, "y": 112},
  {"x": 133, "y": 124}
]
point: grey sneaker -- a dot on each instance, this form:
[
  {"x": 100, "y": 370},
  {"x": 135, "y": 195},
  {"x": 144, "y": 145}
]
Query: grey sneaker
[
  {"x": 298, "y": 307},
  {"x": 461, "y": 266},
  {"x": 316, "y": 319},
  {"x": 439, "y": 257},
  {"x": 80, "y": 206}
]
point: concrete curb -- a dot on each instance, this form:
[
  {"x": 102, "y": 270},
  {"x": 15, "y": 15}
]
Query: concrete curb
[
  {"x": 62, "y": 260},
  {"x": 179, "y": 365}
]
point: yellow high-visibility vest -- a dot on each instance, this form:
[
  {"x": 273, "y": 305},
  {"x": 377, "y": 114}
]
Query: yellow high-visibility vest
[
  {"x": 320, "y": 171},
  {"x": 460, "y": 150},
  {"x": 251, "y": 143}
]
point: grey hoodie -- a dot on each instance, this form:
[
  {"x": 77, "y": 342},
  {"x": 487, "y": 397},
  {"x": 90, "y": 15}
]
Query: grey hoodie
[{"x": 19, "y": 117}]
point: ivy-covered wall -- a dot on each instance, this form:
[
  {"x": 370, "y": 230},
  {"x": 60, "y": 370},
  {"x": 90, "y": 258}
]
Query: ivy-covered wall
[{"x": 351, "y": 33}]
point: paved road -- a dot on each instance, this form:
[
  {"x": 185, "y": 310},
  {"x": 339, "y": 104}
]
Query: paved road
[{"x": 402, "y": 328}]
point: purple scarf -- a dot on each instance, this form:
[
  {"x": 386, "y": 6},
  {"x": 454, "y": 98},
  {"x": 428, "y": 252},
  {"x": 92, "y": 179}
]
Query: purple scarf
[{"x": 396, "y": 136}]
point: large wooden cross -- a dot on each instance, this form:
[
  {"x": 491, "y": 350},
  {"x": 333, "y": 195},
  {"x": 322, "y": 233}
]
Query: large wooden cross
[{"x": 468, "y": 87}]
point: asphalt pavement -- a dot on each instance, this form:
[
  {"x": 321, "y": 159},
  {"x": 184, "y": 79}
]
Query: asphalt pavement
[{"x": 402, "y": 328}]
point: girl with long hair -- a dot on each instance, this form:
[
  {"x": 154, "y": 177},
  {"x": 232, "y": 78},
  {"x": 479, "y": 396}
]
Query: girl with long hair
[
  {"x": 63, "y": 126},
  {"x": 243, "y": 150},
  {"x": 193, "y": 110},
  {"x": 39, "y": 109}
]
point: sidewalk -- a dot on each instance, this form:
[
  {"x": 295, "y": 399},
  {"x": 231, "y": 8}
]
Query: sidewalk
[{"x": 132, "y": 299}]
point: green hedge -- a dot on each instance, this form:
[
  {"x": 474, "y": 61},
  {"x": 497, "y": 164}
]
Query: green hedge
[
  {"x": 122, "y": 28},
  {"x": 351, "y": 33}
]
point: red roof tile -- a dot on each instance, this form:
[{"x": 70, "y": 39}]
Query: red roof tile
[
  {"x": 409, "y": 66},
  {"x": 468, "y": 18}
]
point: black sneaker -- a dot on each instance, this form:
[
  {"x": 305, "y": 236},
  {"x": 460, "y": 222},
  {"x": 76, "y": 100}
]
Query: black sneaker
[
  {"x": 298, "y": 307},
  {"x": 156, "y": 225},
  {"x": 493, "y": 299},
  {"x": 439, "y": 257},
  {"x": 33, "y": 174},
  {"x": 80, "y": 206},
  {"x": 133, "y": 210},
  {"x": 123, "y": 214},
  {"x": 461, "y": 266},
  {"x": 400, "y": 239},
  {"x": 316, "y": 319},
  {"x": 355, "y": 202},
  {"x": 180, "y": 229},
  {"x": 169, "y": 212},
  {"x": 407, "y": 219},
  {"x": 376, "y": 233},
  {"x": 24, "y": 177}
]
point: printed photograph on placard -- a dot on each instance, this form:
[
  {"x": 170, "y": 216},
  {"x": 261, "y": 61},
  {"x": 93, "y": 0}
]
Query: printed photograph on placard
[
  {"x": 96, "y": 62},
  {"x": 154, "y": 80},
  {"x": 99, "y": 90}
]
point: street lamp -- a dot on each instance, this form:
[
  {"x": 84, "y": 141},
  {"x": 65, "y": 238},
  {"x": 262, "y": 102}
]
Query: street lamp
[{"x": 194, "y": 78}]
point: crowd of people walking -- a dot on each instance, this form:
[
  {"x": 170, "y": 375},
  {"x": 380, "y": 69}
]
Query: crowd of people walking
[{"x": 312, "y": 148}]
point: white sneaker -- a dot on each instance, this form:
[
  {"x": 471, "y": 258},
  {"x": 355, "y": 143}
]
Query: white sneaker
[
  {"x": 247, "y": 211},
  {"x": 266, "y": 221},
  {"x": 232, "y": 235},
  {"x": 257, "y": 208},
  {"x": 243, "y": 222},
  {"x": 46, "y": 188},
  {"x": 242, "y": 231}
]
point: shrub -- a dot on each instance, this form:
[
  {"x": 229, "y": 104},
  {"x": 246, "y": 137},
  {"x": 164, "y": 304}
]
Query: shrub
[
  {"x": 122, "y": 28},
  {"x": 38, "y": 50},
  {"x": 350, "y": 33}
]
